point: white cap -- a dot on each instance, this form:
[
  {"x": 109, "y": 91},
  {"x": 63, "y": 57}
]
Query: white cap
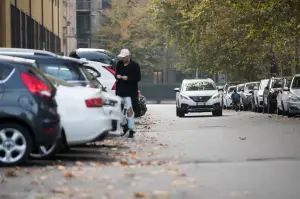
[{"x": 124, "y": 53}]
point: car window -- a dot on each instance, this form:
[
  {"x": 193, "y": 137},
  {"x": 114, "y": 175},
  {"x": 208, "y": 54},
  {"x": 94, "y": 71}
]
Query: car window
[
  {"x": 197, "y": 86},
  {"x": 296, "y": 83},
  {"x": 277, "y": 83},
  {"x": 67, "y": 72},
  {"x": 239, "y": 88},
  {"x": 95, "y": 56},
  {"x": 4, "y": 71},
  {"x": 231, "y": 89},
  {"x": 55, "y": 80},
  {"x": 90, "y": 77},
  {"x": 250, "y": 86}
]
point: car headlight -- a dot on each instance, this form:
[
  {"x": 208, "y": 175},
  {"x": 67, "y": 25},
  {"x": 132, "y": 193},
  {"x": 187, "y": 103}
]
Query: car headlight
[
  {"x": 216, "y": 96},
  {"x": 293, "y": 97},
  {"x": 184, "y": 97}
]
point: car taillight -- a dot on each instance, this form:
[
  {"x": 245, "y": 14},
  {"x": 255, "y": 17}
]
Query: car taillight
[
  {"x": 110, "y": 70},
  {"x": 35, "y": 86},
  {"x": 94, "y": 103},
  {"x": 114, "y": 86}
]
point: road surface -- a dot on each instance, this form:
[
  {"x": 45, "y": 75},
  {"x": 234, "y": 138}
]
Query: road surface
[{"x": 238, "y": 155}]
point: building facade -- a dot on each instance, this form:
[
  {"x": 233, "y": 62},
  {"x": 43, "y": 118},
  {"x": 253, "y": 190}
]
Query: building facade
[
  {"x": 89, "y": 20},
  {"x": 35, "y": 24},
  {"x": 69, "y": 41}
]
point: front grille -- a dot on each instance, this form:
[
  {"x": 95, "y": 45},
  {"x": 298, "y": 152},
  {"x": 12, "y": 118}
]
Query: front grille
[
  {"x": 201, "y": 106},
  {"x": 200, "y": 98}
]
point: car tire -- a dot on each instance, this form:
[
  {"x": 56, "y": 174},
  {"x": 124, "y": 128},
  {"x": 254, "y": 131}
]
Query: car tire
[
  {"x": 46, "y": 152},
  {"x": 177, "y": 112},
  {"x": 217, "y": 112},
  {"x": 23, "y": 138},
  {"x": 181, "y": 113},
  {"x": 290, "y": 115}
]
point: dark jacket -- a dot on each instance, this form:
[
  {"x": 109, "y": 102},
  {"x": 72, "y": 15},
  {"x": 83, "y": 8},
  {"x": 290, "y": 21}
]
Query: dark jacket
[
  {"x": 235, "y": 97},
  {"x": 128, "y": 88}
]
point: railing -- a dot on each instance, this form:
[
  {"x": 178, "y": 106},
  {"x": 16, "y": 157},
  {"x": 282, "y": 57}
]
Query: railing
[{"x": 83, "y": 5}]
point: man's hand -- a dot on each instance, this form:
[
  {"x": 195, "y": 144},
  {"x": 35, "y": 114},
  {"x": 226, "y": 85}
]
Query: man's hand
[
  {"x": 119, "y": 77},
  {"x": 125, "y": 77}
]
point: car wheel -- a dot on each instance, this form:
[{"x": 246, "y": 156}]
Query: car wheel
[
  {"x": 181, "y": 113},
  {"x": 217, "y": 112},
  {"x": 290, "y": 114},
  {"x": 177, "y": 111},
  {"x": 15, "y": 144},
  {"x": 45, "y": 151}
]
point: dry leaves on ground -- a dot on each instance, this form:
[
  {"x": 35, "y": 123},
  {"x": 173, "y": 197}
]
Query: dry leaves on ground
[
  {"x": 68, "y": 174},
  {"x": 11, "y": 173},
  {"x": 139, "y": 195}
]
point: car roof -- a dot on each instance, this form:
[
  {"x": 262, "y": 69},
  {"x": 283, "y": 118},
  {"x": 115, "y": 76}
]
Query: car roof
[
  {"x": 197, "y": 80},
  {"x": 17, "y": 59},
  {"x": 28, "y": 55},
  {"x": 297, "y": 75},
  {"x": 42, "y": 52}
]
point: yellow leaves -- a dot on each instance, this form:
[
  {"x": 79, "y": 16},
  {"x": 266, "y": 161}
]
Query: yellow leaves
[{"x": 139, "y": 195}]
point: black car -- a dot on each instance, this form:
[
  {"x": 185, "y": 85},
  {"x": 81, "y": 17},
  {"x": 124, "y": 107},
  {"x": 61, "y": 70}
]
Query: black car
[
  {"x": 68, "y": 69},
  {"x": 270, "y": 94},
  {"x": 28, "y": 111}
]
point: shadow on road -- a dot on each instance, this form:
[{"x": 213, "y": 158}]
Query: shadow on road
[{"x": 202, "y": 116}]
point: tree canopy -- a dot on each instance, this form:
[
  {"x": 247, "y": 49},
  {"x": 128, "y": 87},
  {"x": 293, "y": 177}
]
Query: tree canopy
[{"x": 246, "y": 39}]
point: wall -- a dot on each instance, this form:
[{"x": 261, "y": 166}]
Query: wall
[
  {"x": 69, "y": 27},
  {"x": 30, "y": 23}
]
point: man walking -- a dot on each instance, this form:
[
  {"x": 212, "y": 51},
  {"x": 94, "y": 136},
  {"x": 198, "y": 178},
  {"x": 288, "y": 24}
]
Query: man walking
[
  {"x": 236, "y": 98},
  {"x": 128, "y": 75}
]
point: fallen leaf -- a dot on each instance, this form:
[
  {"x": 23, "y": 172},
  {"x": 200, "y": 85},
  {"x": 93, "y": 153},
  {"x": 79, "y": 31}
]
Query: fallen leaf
[
  {"x": 124, "y": 163},
  {"x": 60, "y": 167},
  {"x": 132, "y": 153},
  {"x": 10, "y": 173},
  {"x": 161, "y": 195},
  {"x": 79, "y": 163},
  {"x": 68, "y": 174},
  {"x": 2, "y": 179},
  {"x": 139, "y": 195}
]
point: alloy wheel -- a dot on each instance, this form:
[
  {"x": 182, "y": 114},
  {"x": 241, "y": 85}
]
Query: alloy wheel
[
  {"x": 43, "y": 151},
  {"x": 13, "y": 145}
]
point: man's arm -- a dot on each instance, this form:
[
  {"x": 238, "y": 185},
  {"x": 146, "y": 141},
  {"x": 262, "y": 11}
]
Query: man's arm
[
  {"x": 135, "y": 74},
  {"x": 117, "y": 70}
]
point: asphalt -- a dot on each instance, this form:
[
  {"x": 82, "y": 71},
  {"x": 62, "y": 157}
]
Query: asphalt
[{"x": 238, "y": 155}]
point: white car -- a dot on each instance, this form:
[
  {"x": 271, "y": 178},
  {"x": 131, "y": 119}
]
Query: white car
[
  {"x": 291, "y": 97},
  {"x": 258, "y": 94},
  {"x": 107, "y": 77},
  {"x": 198, "y": 95},
  {"x": 227, "y": 96},
  {"x": 283, "y": 96},
  {"x": 84, "y": 117}
]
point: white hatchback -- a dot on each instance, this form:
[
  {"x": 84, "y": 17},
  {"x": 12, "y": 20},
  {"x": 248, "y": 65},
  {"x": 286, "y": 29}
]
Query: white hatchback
[{"x": 198, "y": 95}]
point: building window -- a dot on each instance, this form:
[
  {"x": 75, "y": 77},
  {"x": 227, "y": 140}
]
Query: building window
[{"x": 157, "y": 77}]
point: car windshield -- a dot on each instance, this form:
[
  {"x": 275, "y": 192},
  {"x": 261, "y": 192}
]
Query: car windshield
[
  {"x": 277, "y": 83},
  {"x": 250, "y": 86},
  {"x": 240, "y": 87},
  {"x": 263, "y": 84},
  {"x": 231, "y": 89},
  {"x": 296, "y": 83},
  {"x": 58, "y": 81},
  {"x": 197, "y": 86}
]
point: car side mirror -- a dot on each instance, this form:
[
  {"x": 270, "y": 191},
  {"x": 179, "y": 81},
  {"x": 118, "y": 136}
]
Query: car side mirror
[
  {"x": 286, "y": 89},
  {"x": 176, "y": 90}
]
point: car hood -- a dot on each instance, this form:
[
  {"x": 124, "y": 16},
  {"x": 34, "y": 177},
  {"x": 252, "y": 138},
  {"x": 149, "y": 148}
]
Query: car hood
[
  {"x": 200, "y": 93},
  {"x": 296, "y": 92}
]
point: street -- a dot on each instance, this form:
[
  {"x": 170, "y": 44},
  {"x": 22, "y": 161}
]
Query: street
[{"x": 238, "y": 155}]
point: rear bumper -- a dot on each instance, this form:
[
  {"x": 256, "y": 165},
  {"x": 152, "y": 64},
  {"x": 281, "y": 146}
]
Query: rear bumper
[
  {"x": 200, "y": 108},
  {"x": 48, "y": 132}
]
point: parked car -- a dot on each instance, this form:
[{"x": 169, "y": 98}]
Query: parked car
[
  {"x": 29, "y": 121},
  {"x": 83, "y": 117},
  {"x": 142, "y": 109},
  {"x": 293, "y": 101},
  {"x": 283, "y": 96},
  {"x": 105, "y": 57},
  {"x": 66, "y": 68},
  {"x": 258, "y": 95},
  {"x": 270, "y": 94},
  {"x": 227, "y": 97},
  {"x": 198, "y": 95},
  {"x": 247, "y": 95},
  {"x": 33, "y": 51}
]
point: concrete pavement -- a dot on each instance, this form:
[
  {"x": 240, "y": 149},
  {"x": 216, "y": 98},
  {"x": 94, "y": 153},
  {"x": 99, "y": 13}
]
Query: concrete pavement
[{"x": 239, "y": 155}]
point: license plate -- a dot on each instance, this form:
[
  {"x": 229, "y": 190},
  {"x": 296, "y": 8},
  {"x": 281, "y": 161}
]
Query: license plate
[{"x": 200, "y": 103}]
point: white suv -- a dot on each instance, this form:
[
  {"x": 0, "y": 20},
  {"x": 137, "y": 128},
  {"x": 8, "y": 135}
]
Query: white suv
[{"x": 198, "y": 95}]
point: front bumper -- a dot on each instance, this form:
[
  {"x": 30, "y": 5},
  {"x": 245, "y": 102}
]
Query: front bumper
[
  {"x": 196, "y": 108},
  {"x": 294, "y": 107}
]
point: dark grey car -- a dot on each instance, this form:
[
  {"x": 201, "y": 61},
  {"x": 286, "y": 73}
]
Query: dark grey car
[{"x": 28, "y": 111}]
